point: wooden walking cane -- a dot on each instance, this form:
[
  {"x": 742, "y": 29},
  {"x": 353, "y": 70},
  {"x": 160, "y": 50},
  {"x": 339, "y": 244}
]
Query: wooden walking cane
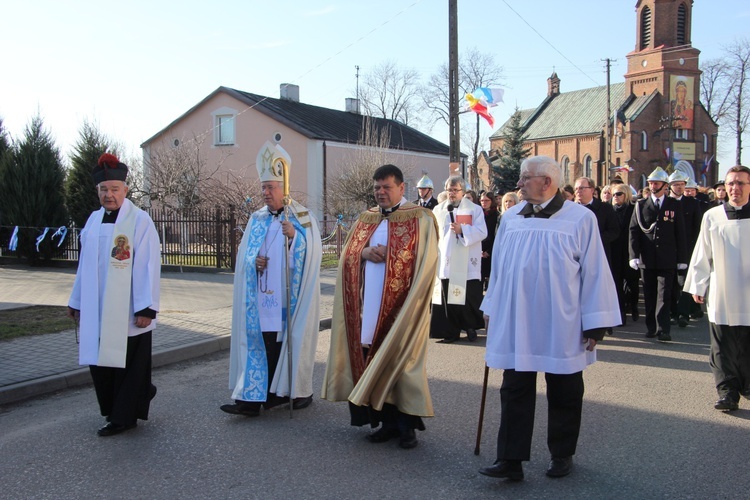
[{"x": 481, "y": 409}]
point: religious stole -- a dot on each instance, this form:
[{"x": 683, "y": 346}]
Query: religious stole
[
  {"x": 113, "y": 332},
  {"x": 403, "y": 245}
]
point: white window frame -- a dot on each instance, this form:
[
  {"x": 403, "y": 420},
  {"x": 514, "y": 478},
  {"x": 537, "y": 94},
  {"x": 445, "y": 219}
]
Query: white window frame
[
  {"x": 644, "y": 141},
  {"x": 705, "y": 143},
  {"x": 681, "y": 133},
  {"x": 565, "y": 162},
  {"x": 222, "y": 119}
]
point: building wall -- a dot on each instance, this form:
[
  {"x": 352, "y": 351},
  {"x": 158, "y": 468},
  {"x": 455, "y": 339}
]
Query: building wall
[
  {"x": 313, "y": 161},
  {"x": 252, "y": 129},
  {"x": 340, "y": 157}
]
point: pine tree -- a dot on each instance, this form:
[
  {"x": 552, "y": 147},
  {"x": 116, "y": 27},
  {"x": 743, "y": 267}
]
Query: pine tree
[
  {"x": 4, "y": 140},
  {"x": 80, "y": 189},
  {"x": 31, "y": 190},
  {"x": 505, "y": 176}
]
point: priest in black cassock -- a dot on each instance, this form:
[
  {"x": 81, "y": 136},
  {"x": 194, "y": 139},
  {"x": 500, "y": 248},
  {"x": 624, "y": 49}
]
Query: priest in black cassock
[{"x": 116, "y": 297}]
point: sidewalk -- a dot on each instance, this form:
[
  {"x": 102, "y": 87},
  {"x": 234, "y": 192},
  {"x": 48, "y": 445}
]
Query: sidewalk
[{"x": 194, "y": 320}]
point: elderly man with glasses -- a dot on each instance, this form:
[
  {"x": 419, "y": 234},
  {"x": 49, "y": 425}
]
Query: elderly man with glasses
[
  {"x": 457, "y": 295},
  {"x": 549, "y": 300}
]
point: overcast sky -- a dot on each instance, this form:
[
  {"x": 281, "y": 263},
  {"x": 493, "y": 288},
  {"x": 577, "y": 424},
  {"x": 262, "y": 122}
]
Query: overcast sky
[{"x": 133, "y": 67}]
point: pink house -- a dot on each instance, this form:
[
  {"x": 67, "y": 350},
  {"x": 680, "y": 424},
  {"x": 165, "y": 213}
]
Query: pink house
[{"x": 232, "y": 125}]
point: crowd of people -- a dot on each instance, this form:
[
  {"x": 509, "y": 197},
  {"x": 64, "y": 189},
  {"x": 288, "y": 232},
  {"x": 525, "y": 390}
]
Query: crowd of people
[{"x": 547, "y": 271}]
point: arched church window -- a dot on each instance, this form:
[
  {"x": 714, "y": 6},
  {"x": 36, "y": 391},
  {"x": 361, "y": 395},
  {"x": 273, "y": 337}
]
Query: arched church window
[
  {"x": 645, "y": 28},
  {"x": 682, "y": 24}
]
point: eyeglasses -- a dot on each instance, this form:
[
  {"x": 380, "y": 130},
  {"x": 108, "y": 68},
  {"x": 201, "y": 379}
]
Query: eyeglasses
[
  {"x": 619, "y": 194},
  {"x": 525, "y": 178},
  {"x": 736, "y": 183},
  {"x": 455, "y": 190}
]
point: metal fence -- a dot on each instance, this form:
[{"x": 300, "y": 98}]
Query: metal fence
[{"x": 194, "y": 238}]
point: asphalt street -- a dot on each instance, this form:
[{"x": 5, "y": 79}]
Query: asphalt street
[{"x": 649, "y": 431}]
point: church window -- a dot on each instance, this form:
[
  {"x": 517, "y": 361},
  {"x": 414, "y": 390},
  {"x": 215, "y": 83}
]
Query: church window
[
  {"x": 705, "y": 143},
  {"x": 681, "y": 24},
  {"x": 644, "y": 140},
  {"x": 645, "y": 28},
  {"x": 587, "y": 166},
  {"x": 565, "y": 162}
]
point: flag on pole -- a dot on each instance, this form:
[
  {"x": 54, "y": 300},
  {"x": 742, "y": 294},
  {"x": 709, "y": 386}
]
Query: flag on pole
[
  {"x": 482, "y": 99},
  {"x": 706, "y": 164}
]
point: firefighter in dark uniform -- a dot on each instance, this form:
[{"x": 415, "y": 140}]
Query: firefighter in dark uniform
[{"x": 657, "y": 247}]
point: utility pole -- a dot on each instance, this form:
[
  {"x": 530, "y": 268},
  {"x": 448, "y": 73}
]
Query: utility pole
[
  {"x": 455, "y": 137},
  {"x": 608, "y": 138}
]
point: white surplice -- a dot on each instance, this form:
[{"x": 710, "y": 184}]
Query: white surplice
[
  {"x": 472, "y": 237},
  {"x": 721, "y": 259},
  {"x": 549, "y": 282},
  {"x": 91, "y": 278}
]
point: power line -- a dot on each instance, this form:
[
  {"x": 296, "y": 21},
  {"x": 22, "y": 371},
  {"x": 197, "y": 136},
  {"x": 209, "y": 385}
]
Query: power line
[{"x": 550, "y": 44}]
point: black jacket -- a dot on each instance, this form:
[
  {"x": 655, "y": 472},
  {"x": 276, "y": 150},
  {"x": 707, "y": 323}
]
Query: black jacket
[
  {"x": 664, "y": 246},
  {"x": 692, "y": 214},
  {"x": 431, "y": 203},
  {"x": 606, "y": 219}
]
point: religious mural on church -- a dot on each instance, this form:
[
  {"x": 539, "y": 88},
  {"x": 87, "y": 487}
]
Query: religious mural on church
[{"x": 681, "y": 101}]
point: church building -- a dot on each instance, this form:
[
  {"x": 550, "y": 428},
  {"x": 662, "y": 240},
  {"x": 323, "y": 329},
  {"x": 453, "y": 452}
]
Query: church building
[{"x": 655, "y": 116}]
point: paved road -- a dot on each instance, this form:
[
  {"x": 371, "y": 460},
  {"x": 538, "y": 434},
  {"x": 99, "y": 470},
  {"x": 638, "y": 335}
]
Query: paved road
[{"x": 648, "y": 432}]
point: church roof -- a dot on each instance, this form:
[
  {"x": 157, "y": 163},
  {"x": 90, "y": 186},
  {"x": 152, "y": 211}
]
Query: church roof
[{"x": 580, "y": 112}]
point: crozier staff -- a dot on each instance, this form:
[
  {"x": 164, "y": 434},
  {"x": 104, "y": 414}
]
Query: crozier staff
[{"x": 259, "y": 372}]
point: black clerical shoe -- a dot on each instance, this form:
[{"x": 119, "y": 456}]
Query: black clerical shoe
[
  {"x": 560, "y": 466},
  {"x": 383, "y": 434},
  {"x": 664, "y": 337},
  {"x": 152, "y": 392},
  {"x": 650, "y": 335},
  {"x": 682, "y": 321},
  {"x": 408, "y": 439},
  {"x": 504, "y": 469},
  {"x": 274, "y": 401},
  {"x": 728, "y": 403},
  {"x": 471, "y": 334},
  {"x": 236, "y": 409},
  {"x": 300, "y": 403},
  {"x": 635, "y": 314},
  {"x": 447, "y": 340},
  {"x": 112, "y": 429}
]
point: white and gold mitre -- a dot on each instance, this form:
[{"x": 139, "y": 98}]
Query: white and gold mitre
[{"x": 271, "y": 161}]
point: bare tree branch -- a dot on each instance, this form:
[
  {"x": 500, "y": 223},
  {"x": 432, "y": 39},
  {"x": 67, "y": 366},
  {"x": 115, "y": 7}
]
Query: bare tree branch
[
  {"x": 475, "y": 69},
  {"x": 390, "y": 92}
]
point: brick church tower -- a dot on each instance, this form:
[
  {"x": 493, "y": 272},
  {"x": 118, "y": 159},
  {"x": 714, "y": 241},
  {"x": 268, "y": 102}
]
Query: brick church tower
[
  {"x": 665, "y": 61},
  {"x": 662, "y": 48},
  {"x": 657, "y": 118}
]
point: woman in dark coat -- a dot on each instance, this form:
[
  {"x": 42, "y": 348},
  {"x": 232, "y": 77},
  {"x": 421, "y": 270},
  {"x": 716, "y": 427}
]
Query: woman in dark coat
[
  {"x": 487, "y": 200},
  {"x": 626, "y": 279}
]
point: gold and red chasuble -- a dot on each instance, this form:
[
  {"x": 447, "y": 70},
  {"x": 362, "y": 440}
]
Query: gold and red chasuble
[{"x": 403, "y": 244}]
